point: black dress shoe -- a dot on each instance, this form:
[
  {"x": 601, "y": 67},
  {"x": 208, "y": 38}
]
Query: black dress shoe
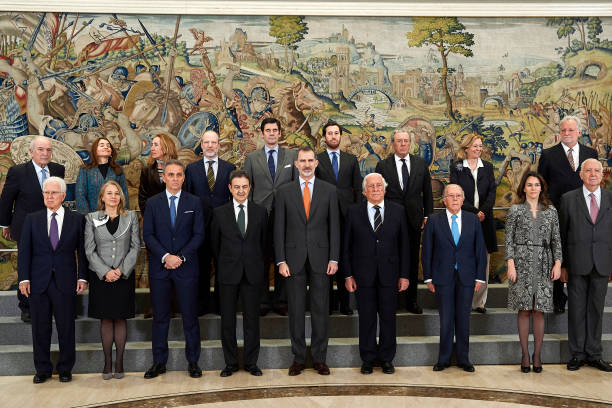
[
  {"x": 40, "y": 378},
  {"x": 296, "y": 369},
  {"x": 468, "y": 367},
  {"x": 194, "y": 370},
  {"x": 282, "y": 310},
  {"x": 253, "y": 370},
  {"x": 600, "y": 365},
  {"x": 440, "y": 366},
  {"x": 229, "y": 370},
  {"x": 574, "y": 364},
  {"x": 347, "y": 311},
  {"x": 155, "y": 370},
  {"x": 65, "y": 377},
  {"x": 480, "y": 310},
  {"x": 366, "y": 368},
  {"x": 25, "y": 316},
  {"x": 387, "y": 367},
  {"x": 264, "y": 311},
  {"x": 414, "y": 308}
]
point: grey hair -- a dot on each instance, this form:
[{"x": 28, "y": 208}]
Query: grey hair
[
  {"x": 589, "y": 160},
  {"x": 174, "y": 162},
  {"x": 574, "y": 118},
  {"x": 400, "y": 130},
  {"x": 363, "y": 183},
  {"x": 57, "y": 180},
  {"x": 456, "y": 185},
  {"x": 33, "y": 141}
]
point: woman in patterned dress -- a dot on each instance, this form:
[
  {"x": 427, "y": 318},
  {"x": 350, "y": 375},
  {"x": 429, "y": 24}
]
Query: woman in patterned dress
[{"x": 533, "y": 255}]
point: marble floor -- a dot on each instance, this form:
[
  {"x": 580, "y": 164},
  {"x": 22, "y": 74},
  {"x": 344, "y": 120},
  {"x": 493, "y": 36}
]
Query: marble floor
[{"x": 490, "y": 386}]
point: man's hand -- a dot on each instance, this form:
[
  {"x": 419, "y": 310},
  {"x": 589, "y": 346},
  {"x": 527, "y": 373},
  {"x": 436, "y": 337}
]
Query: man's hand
[
  {"x": 423, "y": 224},
  {"x": 481, "y": 216},
  {"x": 283, "y": 269},
  {"x": 431, "y": 287},
  {"x": 81, "y": 287},
  {"x": 564, "y": 275},
  {"x": 24, "y": 288},
  {"x": 332, "y": 268},
  {"x": 477, "y": 286},
  {"x": 172, "y": 262},
  {"x": 6, "y": 233},
  {"x": 350, "y": 284},
  {"x": 402, "y": 284}
]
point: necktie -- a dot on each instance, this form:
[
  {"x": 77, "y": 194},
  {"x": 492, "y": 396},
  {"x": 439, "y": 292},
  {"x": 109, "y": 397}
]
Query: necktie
[
  {"x": 172, "y": 210},
  {"x": 377, "y": 218},
  {"x": 210, "y": 175},
  {"x": 271, "y": 165},
  {"x": 335, "y": 164},
  {"x": 306, "y": 197},
  {"x": 43, "y": 176},
  {"x": 593, "y": 208},
  {"x": 455, "y": 228},
  {"x": 53, "y": 232},
  {"x": 405, "y": 175},
  {"x": 241, "y": 220},
  {"x": 570, "y": 158}
]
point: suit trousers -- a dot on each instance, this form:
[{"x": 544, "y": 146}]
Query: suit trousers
[
  {"x": 319, "y": 313},
  {"x": 586, "y": 300},
  {"x": 278, "y": 297},
  {"x": 207, "y": 301},
  {"x": 250, "y": 321},
  {"x": 377, "y": 303},
  {"x": 53, "y": 303},
  {"x": 186, "y": 293},
  {"x": 415, "y": 247},
  {"x": 454, "y": 307}
]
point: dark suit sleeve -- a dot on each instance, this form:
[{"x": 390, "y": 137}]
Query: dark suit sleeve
[
  {"x": 480, "y": 250},
  {"x": 148, "y": 232},
  {"x": 347, "y": 266},
  {"x": 24, "y": 255},
  {"x": 427, "y": 249},
  {"x": 334, "y": 227},
  {"x": 248, "y": 167},
  {"x": 82, "y": 259},
  {"x": 564, "y": 226},
  {"x": 8, "y": 197},
  {"x": 215, "y": 235},
  {"x": 188, "y": 183},
  {"x": 487, "y": 203},
  {"x": 404, "y": 247},
  {"x": 357, "y": 182},
  {"x": 543, "y": 167},
  {"x": 62, "y": 171},
  {"x": 427, "y": 193},
  {"x": 380, "y": 170},
  {"x": 190, "y": 250},
  {"x": 279, "y": 228}
]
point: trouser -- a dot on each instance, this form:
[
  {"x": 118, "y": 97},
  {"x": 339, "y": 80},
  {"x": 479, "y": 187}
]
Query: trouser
[{"x": 377, "y": 303}]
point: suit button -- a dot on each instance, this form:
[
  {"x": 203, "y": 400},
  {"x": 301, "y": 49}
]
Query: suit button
[
  {"x": 113, "y": 256},
  {"x": 114, "y": 242},
  {"x": 113, "y": 249},
  {"x": 377, "y": 241}
]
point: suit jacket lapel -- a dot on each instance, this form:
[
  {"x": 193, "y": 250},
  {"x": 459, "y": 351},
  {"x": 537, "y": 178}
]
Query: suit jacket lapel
[
  {"x": 325, "y": 164},
  {"x": 447, "y": 230},
  {"x": 392, "y": 172},
  {"x": 33, "y": 175},
  {"x": 263, "y": 163},
  {"x": 299, "y": 200},
  {"x": 314, "y": 200},
  {"x": 366, "y": 217},
  {"x": 582, "y": 205},
  {"x": 604, "y": 203},
  {"x": 414, "y": 172},
  {"x": 179, "y": 210},
  {"x": 581, "y": 156},
  {"x": 250, "y": 220},
  {"x": 279, "y": 162},
  {"x": 344, "y": 164},
  {"x": 62, "y": 231},
  {"x": 42, "y": 229}
]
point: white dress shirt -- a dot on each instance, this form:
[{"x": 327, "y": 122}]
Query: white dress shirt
[
  {"x": 215, "y": 165},
  {"x": 399, "y": 164},
  {"x": 575, "y": 155},
  {"x": 237, "y": 210},
  {"x": 372, "y": 212},
  {"x": 474, "y": 172}
]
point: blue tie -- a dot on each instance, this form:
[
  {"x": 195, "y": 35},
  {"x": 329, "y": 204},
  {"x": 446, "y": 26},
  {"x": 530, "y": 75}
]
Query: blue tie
[
  {"x": 172, "y": 210},
  {"x": 271, "y": 165},
  {"x": 455, "y": 229},
  {"x": 43, "y": 176},
  {"x": 335, "y": 164}
]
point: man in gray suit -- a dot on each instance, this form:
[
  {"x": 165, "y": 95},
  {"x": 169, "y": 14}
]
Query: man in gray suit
[
  {"x": 586, "y": 227},
  {"x": 268, "y": 169},
  {"x": 307, "y": 246}
]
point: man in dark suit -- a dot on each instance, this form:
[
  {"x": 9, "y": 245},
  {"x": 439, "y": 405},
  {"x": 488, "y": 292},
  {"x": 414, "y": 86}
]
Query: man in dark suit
[
  {"x": 409, "y": 184},
  {"x": 560, "y": 167},
  {"x": 307, "y": 244},
  {"x": 208, "y": 179},
  {"x": 173, "y": 229},
  {"x": 376, "y": 264},
  {"x": 51, "y": 242},
  {"x": 268, "y": 169},
  {"x": 22, "y": 194},
  {"x": 238, "y": 237},
  {"x": 342, "y": 170},
  {"x": 454, "y": 259},
  {"x": 586, "y": 227}
]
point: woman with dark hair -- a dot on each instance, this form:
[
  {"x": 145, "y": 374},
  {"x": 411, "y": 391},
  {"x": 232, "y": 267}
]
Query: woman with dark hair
[
  {"x": 476, "y": 178},
  {"x": 91, "y": 176},
  {"x": 162, "y": 150},
  {"x": 112, "y": 244},
  {"x": 533, "y": 256}
]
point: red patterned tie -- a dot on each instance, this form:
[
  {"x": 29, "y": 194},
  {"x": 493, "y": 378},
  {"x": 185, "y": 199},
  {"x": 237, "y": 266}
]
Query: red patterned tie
[{"x": 593, "y": 208}]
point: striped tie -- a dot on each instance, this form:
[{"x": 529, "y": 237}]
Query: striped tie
[
  {"x": 377, "y": 218},
  {"x": 210, "y": 175}
]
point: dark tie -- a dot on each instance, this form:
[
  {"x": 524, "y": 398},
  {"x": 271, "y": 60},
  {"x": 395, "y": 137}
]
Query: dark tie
[
  {"x": 405, "y": 175},
  {"x": 210, "y": 175},
  {"x": 53, "y": 232},
  {"x": 241, "y": 220},
  {"x": 570, "y": 158},
  {"x": 594, "y": 210},
  {"x": 377, "y": 218},
  {"x": 335, "y": 164},
  {"x": 271, "y": 165},
  {"x": 172, "y": 210}
]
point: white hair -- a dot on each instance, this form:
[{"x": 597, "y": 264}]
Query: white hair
[
  {"x": 38, "y": 138},
  {"x": 57, "y": 180},
  {"x": 363, "y": 183},
  {"x": 576, "y": 120},
  {"x": 400, "y": 130},
  {"x": 590, "y": 160},
  {"x": 456, "y": 185}
]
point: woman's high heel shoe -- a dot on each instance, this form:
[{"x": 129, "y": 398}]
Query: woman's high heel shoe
[
  {"x": 536, "y": 369},
  {"x": 525, "y": 369}
]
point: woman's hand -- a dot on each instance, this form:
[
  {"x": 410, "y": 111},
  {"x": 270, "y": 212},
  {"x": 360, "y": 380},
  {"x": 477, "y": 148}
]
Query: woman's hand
[
  {"x": 511, "y": 271},
  {"x": 556, "y": 271}
]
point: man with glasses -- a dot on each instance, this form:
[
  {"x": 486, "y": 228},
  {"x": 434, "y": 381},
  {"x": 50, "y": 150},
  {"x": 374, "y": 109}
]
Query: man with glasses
[{"x": 22, "y": 194}]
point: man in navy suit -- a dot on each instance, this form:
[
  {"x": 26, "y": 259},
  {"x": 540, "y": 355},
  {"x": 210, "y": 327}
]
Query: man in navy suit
[
  {"x": 454, "y": 259},
  {"x": 51, "y": 241},
  {"x": 173, "y": 229},
  {"x": 22, "y": 194},
  {"x": 376, "y": 266},
  {"x": 208, "y": 179}
]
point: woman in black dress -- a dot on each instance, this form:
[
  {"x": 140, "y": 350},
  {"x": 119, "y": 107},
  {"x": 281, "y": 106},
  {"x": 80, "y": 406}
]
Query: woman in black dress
[
  {"x": 476, "y": 178},
  {"x": 112, "y": 244}
]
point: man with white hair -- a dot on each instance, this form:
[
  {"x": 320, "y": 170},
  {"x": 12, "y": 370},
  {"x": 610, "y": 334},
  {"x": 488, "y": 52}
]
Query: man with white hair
[
  {"x": 560, "y": 166},
  {"x": 51, "y": 242},
  {"x": 22, "y": 194}
]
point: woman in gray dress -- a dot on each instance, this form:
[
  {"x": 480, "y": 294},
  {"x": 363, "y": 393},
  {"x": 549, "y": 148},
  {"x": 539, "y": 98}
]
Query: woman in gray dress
[
  {"x": 533, "y": 255},
  {"x": 112, "y": 244}
]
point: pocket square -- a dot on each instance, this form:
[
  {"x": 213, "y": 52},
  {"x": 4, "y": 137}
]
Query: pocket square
[
  {"x": 287, "y": 166},
  {"x": 188, "y": 211}
]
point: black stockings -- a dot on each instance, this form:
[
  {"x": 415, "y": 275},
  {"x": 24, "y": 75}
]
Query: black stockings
[
  {"x": 113, "y": 330},
  {"x": 538, "y": 335}
]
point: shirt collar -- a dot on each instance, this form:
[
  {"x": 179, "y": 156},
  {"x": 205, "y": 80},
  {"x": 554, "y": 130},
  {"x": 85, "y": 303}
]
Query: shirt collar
[
  {"x": 329, "y": 152},
  {"x": 60, "y": 212},
  {"x": 38, "y": 168},
  {"x": 302, "y": 181},
  {"x": 449, "y": 214},
  {"x": 586, "y": 192},
  {"x": 236, "y": 203},
  {"x": 178, "y": 195},
  {"x": 267, "y": 149},
  {"x": 574, "y": 149},
  {"x": 381, "y": 205},
  {"x": 206, "y": 160},
  {"x": 397, "y": 158},
  {"x": 467, "y": 165}
]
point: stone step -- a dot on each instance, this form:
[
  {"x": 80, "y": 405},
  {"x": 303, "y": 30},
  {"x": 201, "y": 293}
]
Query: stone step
[
  {"x": 342, "y": 352},
  {"x": 497, "y": 298},
  {"x": 497, "y": 321}
]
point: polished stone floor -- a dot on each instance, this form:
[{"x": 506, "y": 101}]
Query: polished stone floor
[{"x": 490, "y": 386}]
